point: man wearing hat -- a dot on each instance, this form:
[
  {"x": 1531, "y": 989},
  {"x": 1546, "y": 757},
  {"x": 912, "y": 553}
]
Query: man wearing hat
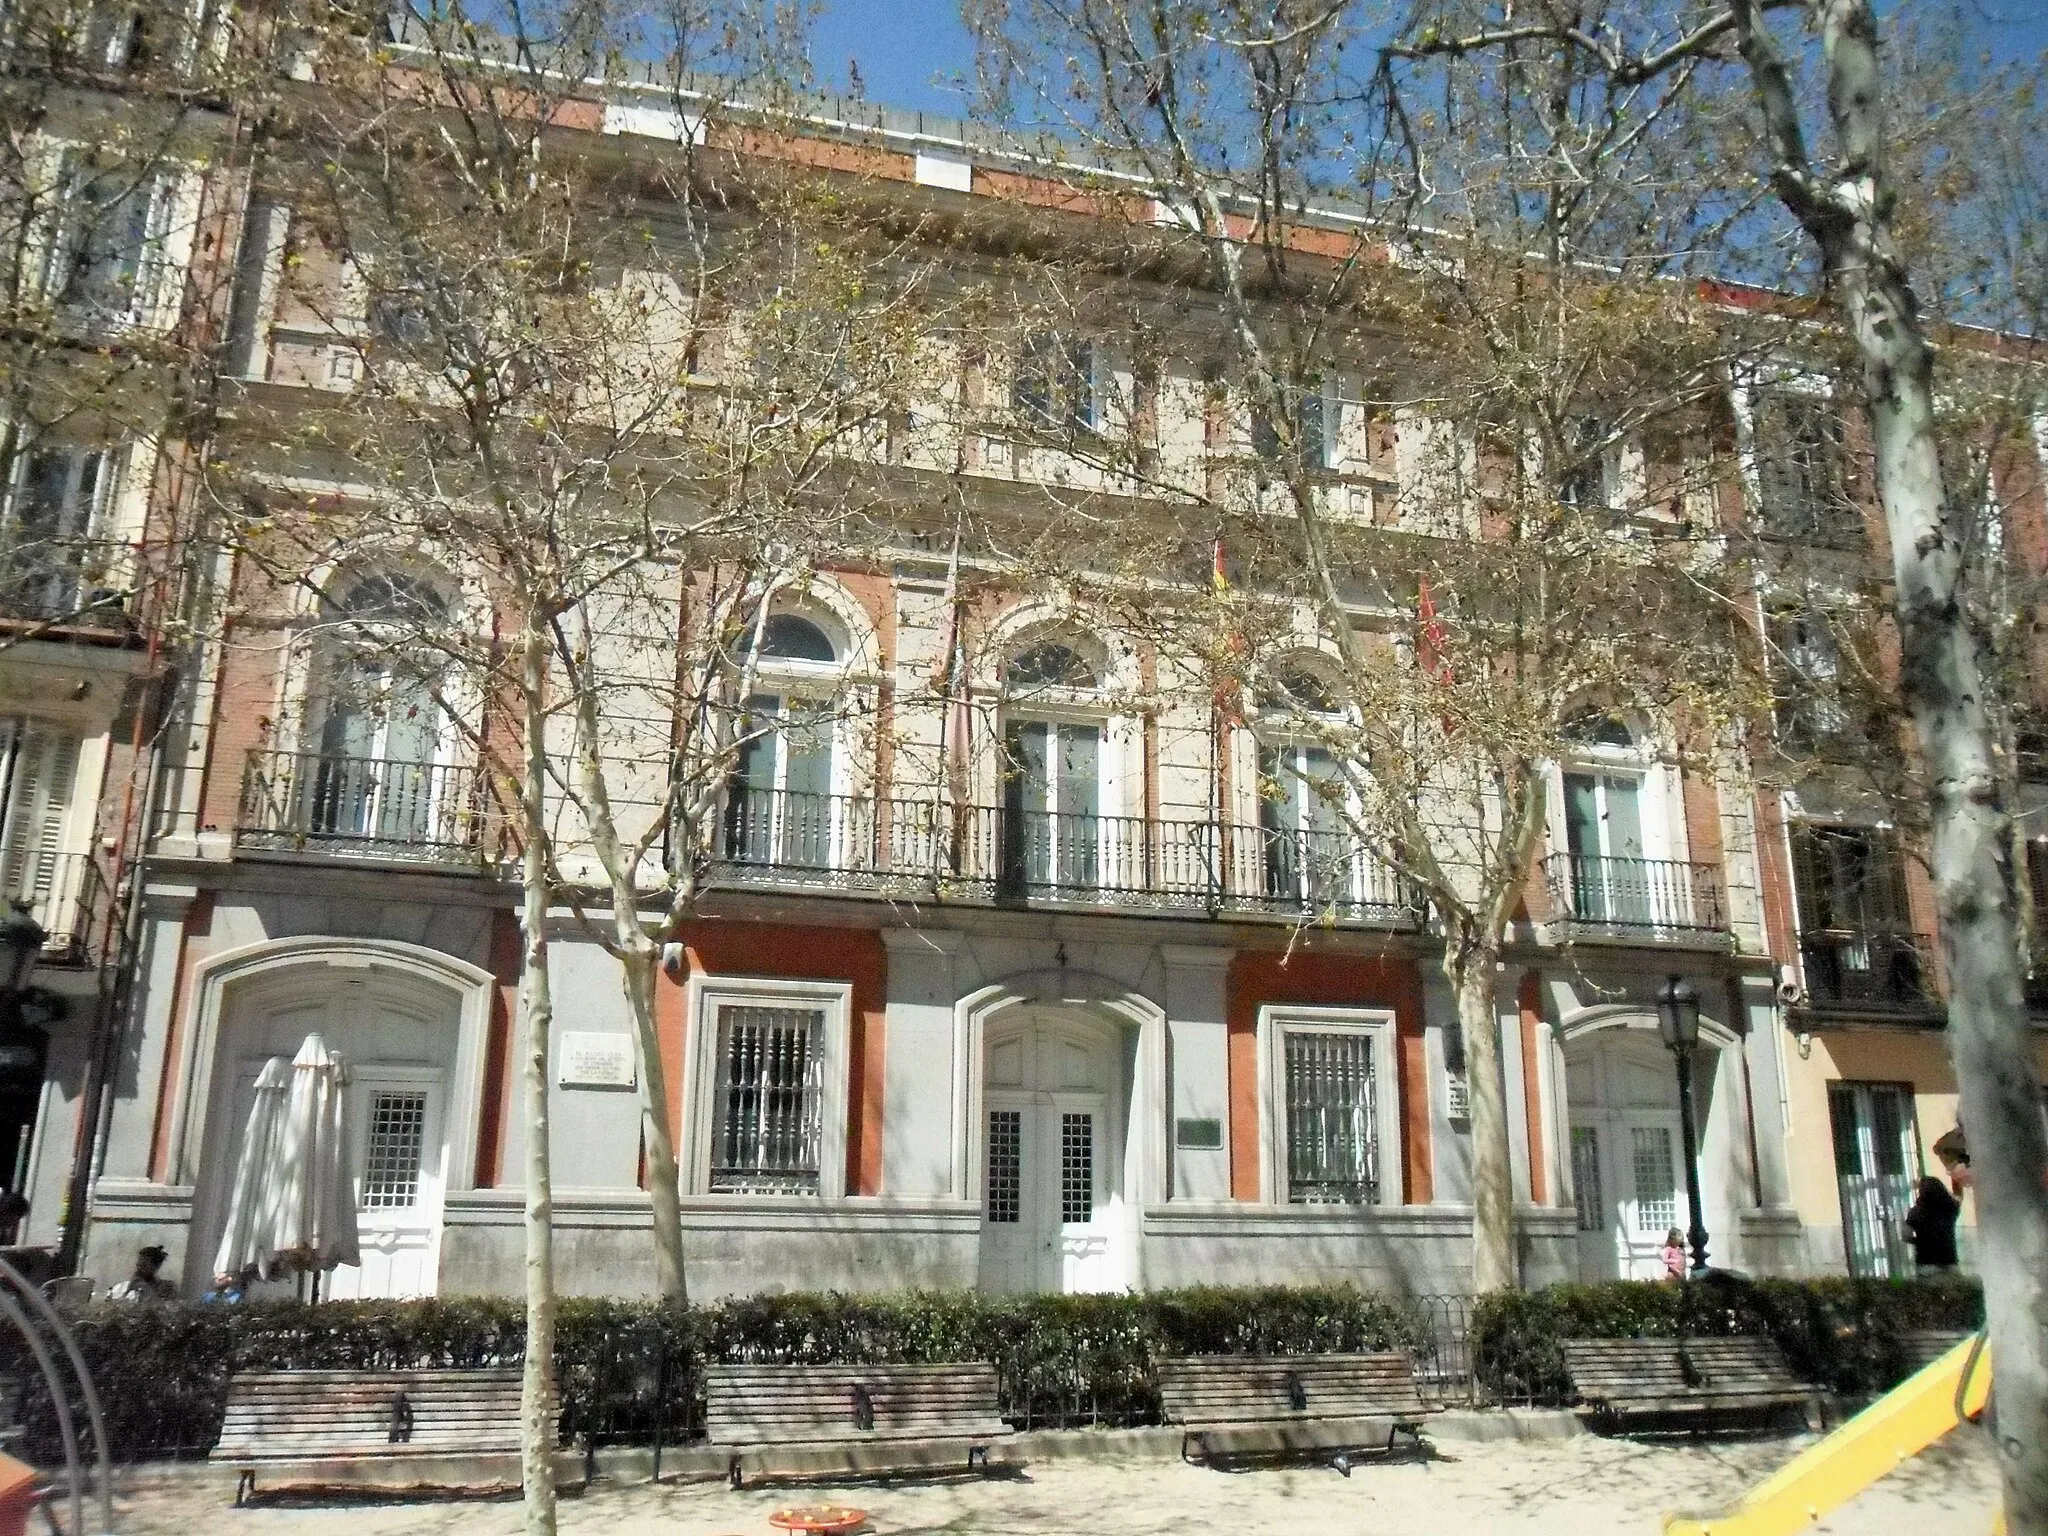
[{"x": 146, "y": 1284}]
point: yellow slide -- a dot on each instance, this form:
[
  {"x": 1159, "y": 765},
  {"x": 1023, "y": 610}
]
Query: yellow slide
[{"x": 1826, "y": 1475}]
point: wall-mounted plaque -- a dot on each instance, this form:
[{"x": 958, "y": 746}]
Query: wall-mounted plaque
[
  {"x": 589, "y": 1060},
  {"x": 1198, "y": 1135}
]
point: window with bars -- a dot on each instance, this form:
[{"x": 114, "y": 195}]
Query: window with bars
[
  {"x": 1005, "y": 1165},
  {"x": 1332, "y": 1142},
  {"x": 1586, "y": 1178},
  {"x": 1077, "y": 1168},
  {"x": 1656, "y": 1178},
  {"x": 768, "y": 1102},
  {"x": 391, "y": 1162}
]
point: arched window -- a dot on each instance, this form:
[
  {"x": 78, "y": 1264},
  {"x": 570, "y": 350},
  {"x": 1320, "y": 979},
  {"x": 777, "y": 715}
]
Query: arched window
[
  {"x": 781, "y": 809},
  {"x": 1298, "y": 688},
  {"x": 1601, "y": 729},
  {"x": 1052, "y": 771},
  {"x": 1610, "y": 877},
  {"x": 1049, "y": 664},
  {"x": 375, "y": 714},
  {"x": 792, "y": 637}
]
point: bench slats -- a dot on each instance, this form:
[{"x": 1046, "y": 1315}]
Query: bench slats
[
  {"x": 317, "y": 1416},
  {"x": 1214, "y": 1392},
  {"x": 1666, "y": 1375}
]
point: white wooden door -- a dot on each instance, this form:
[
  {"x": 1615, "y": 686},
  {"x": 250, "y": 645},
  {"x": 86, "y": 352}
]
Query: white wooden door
[
  {"x": 1047, "y": 1183},
  {"x": 1655, "y": 1200},
  {"x": 395, "y": 1116}
]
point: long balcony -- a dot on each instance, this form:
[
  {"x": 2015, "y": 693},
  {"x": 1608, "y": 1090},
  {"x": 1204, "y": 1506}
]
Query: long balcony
[
  {"x": 1884, "y": 971},
  {"x": 992, "y": 854},
  {"x": 1637, "y": 899},
  {"x": 378, "y": 808}
]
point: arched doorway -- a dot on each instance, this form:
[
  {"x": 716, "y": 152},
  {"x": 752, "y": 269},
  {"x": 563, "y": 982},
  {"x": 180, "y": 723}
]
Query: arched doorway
[
  {"x": 402, "y": 1035},
  {"x": 1054, "y": 1121},
  {"x": 1628, "y": 1176}
]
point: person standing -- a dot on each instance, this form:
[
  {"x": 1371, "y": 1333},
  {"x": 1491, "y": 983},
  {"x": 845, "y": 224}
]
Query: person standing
[{"x": 1931, "y": 1226}]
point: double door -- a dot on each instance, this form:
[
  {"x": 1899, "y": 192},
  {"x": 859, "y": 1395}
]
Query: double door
[
  {"x": 1046, "y": 1177},
  {"x": 1877, "y": 1154},
  {"x": 1628, "y": 1182}
]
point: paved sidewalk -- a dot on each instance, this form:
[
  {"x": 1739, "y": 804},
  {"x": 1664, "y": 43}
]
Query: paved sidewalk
[{"x": 1581, "y": 1487}]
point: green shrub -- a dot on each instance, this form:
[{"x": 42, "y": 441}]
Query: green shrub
[{"x": 1840, "y": 1333}]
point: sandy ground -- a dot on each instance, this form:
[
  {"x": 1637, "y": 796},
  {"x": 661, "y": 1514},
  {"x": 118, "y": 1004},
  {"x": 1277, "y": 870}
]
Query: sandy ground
[{"x": 1581, "y": 1487}]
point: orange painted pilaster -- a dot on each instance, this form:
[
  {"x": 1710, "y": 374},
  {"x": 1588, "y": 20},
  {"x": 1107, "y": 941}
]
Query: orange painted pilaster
[
  {"x": 1530, "y": 999},
  {"x": 198, "y": 924}
]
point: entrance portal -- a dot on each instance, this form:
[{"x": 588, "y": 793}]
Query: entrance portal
[
  {"x": 1627, "y": 1172},
  {"x": 1052, "y": 1135}
]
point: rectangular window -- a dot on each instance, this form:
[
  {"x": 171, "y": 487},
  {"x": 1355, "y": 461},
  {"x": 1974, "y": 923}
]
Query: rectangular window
[
  {"x": 107, "y": 255},
  {"x": 1807, "y": 679},
  {"x": 1309, "y": 413},
  {"x": 1006, "y": 1165},
  {"x": 1077, "y": 1168},
  {"x": 1802, "y": 471},
  {"x": 1877, "y": 1158},
  {"x": 391, "y": 1161},
  {"x": 1056, "y": 384},
  {"x": 1586, "y": 1178},
  {"x": 51, "y": 501},
  {"x": 38, "y": 772},
  {"x": 768, "y": 1101},
  {"x": 1332, "y": 1140}
]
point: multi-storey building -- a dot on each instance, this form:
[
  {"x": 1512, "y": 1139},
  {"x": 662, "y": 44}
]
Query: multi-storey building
[{"x": 1110, "y": 1018}]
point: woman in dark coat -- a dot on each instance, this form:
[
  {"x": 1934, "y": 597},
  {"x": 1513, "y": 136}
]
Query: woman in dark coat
[{"x": 1931, "y": 1225}]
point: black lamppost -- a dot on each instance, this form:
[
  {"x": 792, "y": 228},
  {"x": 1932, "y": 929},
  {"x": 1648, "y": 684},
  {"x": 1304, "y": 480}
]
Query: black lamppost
[
  {"x": 1678, "y": 1021},
  {"x": 21, "y": 945},
  {"x": 24, "y": 1043}
]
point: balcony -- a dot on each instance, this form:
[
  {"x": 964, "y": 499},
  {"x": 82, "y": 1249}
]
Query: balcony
[
  {"x": 365, "y": 807},
  {"x": 913, "y": 847},
  {"x": 61, "y": 890},
  {"x": 1882, "y": 971},
  {"x": 1636, "y": 899}
]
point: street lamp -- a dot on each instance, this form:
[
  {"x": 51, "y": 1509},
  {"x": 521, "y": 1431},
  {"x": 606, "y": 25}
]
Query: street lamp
[{"x": 1678, "y": 1021}]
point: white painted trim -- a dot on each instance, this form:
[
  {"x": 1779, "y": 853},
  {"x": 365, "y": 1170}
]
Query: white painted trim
[
  {"x": 704, "y": 995},
  {"x": 1586, "y": 1021},
  {"x": 1275, "y": 1021},
  {"x": 214, "y": 976}
]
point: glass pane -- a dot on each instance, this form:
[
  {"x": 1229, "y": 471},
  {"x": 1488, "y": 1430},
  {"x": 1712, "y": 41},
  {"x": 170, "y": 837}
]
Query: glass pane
[
  {"x": 1332, "y": 1150},
  {"x": 1656, "y": 1178},
  {"x": 1077, "y": 1168},
  {"x": 391, "y": 1160},
  {"x": 1005, "y": 1165},
  {"x": 1586, "y": 1178},
  {"x": 1624, "y": 818},
  {"x": 1582, "y": 813}
]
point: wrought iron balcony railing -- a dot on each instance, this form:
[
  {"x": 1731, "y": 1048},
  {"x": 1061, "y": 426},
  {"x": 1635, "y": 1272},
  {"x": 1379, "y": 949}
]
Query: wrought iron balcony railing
[
  {"x": 62, "y": 891},
  {"x": 1636, "y": 897},
  {"x": 367, "y": 806},
  {"x": 1005, "y": 855},
  {"x": 1875, "y": 970}
]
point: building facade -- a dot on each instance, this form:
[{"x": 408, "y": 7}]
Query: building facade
[{"x": 1108, "y": 1018}]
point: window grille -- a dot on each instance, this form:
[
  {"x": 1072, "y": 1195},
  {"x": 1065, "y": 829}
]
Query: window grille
[
  {"x": 1586, "y": 1178},
  {"x": 1005, "y": 1165},
  {"x": 391, "y": 1164},
  {"x": 1332, "y": 1148},
  {"x": 1077, "y": 1168},
  {"x": 1656, "y": 1180},
  {"x": 769, "y": 1101}
]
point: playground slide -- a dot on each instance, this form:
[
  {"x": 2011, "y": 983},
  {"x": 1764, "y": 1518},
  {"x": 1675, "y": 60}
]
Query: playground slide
[{"x": 1827, "y": 1474}]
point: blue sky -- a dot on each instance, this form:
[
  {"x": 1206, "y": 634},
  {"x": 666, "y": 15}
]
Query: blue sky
[{"x": 916, "y": 55}]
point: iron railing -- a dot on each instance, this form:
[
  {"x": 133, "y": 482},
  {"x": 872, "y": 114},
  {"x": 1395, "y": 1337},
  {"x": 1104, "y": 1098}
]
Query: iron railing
[
  {"x": 1636, "y": 896},
  {"x": 60, "y": 890},
  {"x": 368, "y": 806},
  {"x": 1003, "y": 854},
  {"x": 1873, "y": 970}
]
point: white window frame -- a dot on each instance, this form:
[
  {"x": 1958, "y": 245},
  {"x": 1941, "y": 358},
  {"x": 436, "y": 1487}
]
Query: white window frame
[
  {"x": 706, "y": 996},
  {"x": 172, "y": 191},
  {"x": 1276, "y": 1022}
]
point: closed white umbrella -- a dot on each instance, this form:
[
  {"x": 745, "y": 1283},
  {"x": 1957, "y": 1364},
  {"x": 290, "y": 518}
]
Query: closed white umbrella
[
  {"x": 252, "y": 1211},
  {"x": 316, "y": 1211}
]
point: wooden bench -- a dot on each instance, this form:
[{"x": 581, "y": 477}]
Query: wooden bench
[
  {"x": 1287, "y": 1404},
  {"x": 1626, "y": 1378},
  {"x": 858, "y": 1418},
  {"x": 446, "y": 1428},
  {"x": 1921, "y": 1347}
]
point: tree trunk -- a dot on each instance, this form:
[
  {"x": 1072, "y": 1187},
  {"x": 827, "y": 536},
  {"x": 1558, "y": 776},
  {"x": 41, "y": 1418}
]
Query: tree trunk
[
  {"x": 1472, "y": 971},
  {"x": 641, "y": 964},
  {"x": 537, "y": 1383},
  {"x": 1848, "y": 212}
]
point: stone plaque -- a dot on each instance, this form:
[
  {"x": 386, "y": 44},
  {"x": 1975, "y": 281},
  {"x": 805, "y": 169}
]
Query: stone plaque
[
  {"x": 589, "y": 1060},
  {"x": 1198, "y": 1135}
]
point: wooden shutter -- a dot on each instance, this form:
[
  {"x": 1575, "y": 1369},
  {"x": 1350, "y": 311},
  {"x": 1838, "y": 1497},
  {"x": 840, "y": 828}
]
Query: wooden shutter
[{"x": 45, "y": 770}]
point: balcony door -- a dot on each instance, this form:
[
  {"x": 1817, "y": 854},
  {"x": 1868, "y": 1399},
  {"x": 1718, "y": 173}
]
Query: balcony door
[
  {"x": 1877, "y": 1154},
  {"x": 1603, "y": 824},
  {"x": 1309, "y": 862},
  {"x": 781, "y": 810},
  {"x": 1052, "y": 805},
  {"x": 1855, "y": 934},
  {"x": 38, "y": 774}
]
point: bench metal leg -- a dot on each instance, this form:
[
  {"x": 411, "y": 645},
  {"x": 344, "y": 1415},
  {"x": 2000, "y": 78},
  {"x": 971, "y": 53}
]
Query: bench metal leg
[
  {"x": 1342, "y": 1462},
  {"x": 977, "y": 1459},
  {"x": 1189, "y": 1438},
  {"x": 732, "y": 1473},
  {"x": 245, "y": 1485}
]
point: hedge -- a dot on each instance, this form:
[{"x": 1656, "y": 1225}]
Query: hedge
[
  {"x": 1842, "y": 1334},
  {"x": 628, "y": 1370}
]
